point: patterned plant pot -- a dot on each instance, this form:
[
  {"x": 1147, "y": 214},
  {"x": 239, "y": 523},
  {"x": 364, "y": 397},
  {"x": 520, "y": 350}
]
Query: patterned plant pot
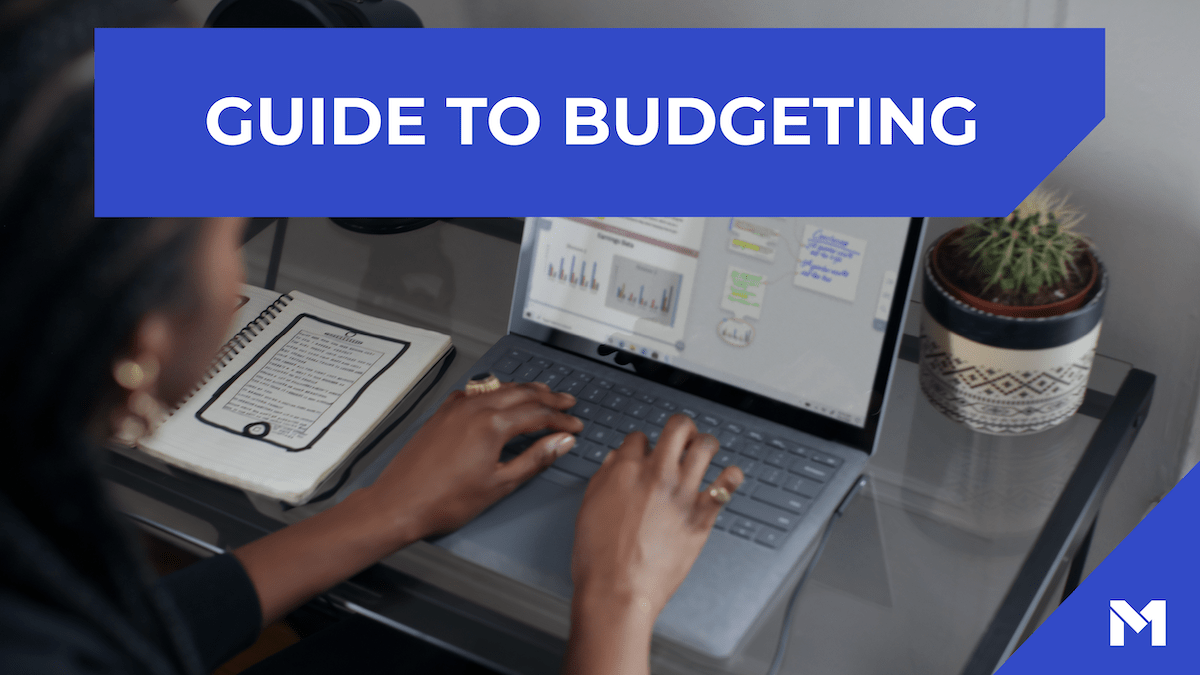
[{"x": 1002, "y": 375}]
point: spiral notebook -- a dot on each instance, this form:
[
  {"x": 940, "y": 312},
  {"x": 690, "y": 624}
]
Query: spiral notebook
[{"x": 299, "y": 386}]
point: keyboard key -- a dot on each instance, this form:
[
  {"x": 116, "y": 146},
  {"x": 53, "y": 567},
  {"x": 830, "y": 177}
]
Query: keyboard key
[
  {"x": 733, "y": 428},
  {"x": 615, "y": 401},
  {"x": 644, "y": 397},
  {"x": 723, "y": 458},
  {"x": 596, "y": 453},
  {"x": 709, "y": 476},
  {"x": 548, "y": 377},
  {"x": 652, "y": 434},
  {"x": 571, "y": 385},
  {"x": 729, "y": 441},
  {"x": 809, "y": 469},
  {"x": 689, "y": 412},
  {"x": 723, "y": 520},
  {"x": 593, "y": 394},
  {"x": 769, "y": 537},
  {"x": 659, "y": 417},
  {"x": 778, "y": 444},
  {"x": 518, "y": 355},
  {"x": 586, "y": 377},
  {"x": 798, "y": 449},
  {"x": 563, "y": 370},
  {"x": 751, "y": 450},
  {"x": 603, "y": 383},
  {"x": 615, "y": 439},
  {"x": 747, "y": 465},
  {"x": 778, "y": 458},
  {"x": 576, "y": 465},
  {"x": 803, "y": 486},
  {"x": 528, "y": 373},
  {"x": 710, "y": 420},
  {"x": 638, "y": 410},
  {"x": 598, "y": 435},
  {"x": 781, "y": 499},
  {"x": 756, "y": 436},
  {"x": 584, "y": 410},
  {"x": 628, "y": 425},
  {"x": 827, "y": 460},
  {"x": 772, "y": 476},
  {"x": 623, "y": 390},
  {"x": 543, "y": 363},
  {"x": 582, "y": 447},
  {"x": 608, "y": 418},
  {"x": 506, "y": 366},
  {"x": 744, "y": 528},
  {"x": 666, "y": 405},
  {"x": 762, "y": 512}
]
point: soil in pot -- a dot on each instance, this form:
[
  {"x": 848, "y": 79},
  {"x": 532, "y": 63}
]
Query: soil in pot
[{"x": 959, "y": 275}]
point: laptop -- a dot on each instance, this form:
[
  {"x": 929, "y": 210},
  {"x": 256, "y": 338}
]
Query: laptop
[{"x": 776, "y": 335}]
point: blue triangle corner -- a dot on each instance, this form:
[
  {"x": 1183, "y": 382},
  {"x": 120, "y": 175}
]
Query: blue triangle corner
[{"x": 1159, "y": 560}]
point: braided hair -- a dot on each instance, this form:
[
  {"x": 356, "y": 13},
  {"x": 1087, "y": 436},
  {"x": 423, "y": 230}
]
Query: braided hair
[{"x": 74, "y": 289}]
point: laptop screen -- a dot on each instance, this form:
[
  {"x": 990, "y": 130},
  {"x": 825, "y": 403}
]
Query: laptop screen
[{"x": 793, "y": 309}]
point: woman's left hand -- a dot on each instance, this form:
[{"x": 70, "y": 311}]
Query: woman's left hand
[{"x": 451, "y": 470}]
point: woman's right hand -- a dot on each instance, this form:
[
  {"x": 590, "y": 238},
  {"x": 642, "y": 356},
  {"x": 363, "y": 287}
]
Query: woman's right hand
[{"x": 641, "y": 526}]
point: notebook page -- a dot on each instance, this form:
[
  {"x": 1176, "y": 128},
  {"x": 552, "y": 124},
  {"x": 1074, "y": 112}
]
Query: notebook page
[{"x": 284, "y": 412}]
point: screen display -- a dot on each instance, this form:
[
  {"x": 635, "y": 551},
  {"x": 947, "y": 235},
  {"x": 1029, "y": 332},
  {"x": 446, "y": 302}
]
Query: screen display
[{"x": 794, "y": 309}]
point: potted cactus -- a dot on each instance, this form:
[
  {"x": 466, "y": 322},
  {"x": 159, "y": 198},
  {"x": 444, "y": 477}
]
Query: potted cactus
[{"x": 1012, "y": 317}]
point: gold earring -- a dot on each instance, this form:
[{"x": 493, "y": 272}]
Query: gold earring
[
  {"x": 142, "y": 411},
  {"x": 132, "y": 374}
]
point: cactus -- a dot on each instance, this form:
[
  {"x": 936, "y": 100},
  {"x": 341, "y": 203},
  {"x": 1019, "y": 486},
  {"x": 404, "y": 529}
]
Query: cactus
[{"x": 1032, "y": 247}]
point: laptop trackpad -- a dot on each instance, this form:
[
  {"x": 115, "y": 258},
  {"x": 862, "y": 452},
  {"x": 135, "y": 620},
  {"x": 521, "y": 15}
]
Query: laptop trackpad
[{"x": 527, "y": 536}]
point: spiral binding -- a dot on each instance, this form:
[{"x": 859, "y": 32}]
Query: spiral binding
[{"x": 237, "y": 343}]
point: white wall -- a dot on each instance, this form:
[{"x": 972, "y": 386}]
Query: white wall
[{"x": 1137, "y": 175}]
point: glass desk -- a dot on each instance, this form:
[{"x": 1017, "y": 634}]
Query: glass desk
[{"x": 956, "y": 550}]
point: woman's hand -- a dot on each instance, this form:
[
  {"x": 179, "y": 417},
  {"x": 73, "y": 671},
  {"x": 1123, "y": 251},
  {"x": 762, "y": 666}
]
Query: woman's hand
[
  {"x": 448, "y": 473},
  {"x": 642, "y": 524},
  {"x": 451, "y": 470}
]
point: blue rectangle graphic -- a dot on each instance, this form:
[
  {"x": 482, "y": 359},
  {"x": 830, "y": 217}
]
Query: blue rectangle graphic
[{"x": 487, "y": 122}]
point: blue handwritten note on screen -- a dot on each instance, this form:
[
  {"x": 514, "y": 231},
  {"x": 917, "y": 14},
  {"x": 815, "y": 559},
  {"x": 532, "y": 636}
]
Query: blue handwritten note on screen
[{"x": 830, "y": 262}]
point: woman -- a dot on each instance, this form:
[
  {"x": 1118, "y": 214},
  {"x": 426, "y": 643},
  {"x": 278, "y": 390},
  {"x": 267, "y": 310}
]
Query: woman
[{"x": 106, "y": 321}]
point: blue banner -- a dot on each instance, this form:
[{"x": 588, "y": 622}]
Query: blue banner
[
  {"x": 1138, "y": 611},
  {"x": 511, "y": 122}
]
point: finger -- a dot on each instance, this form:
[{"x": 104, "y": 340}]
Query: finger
[
  {"x": 632, "y": 448},
  {"x": 533, "y": 416},
  {"x": 675, "y": 436},
  {"x": 709, "y": 502},
  {"x": 534, "y": 459},
  {"x": 696, "y": 458},
  {"x": 516, "y": 394}
]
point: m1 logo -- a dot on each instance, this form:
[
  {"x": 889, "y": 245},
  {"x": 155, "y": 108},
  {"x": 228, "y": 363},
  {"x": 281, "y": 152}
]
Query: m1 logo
[{"x": 1153, "y": 614}]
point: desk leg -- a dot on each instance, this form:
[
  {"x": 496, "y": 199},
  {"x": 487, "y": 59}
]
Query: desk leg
[{"x": 1074, "y": 576}]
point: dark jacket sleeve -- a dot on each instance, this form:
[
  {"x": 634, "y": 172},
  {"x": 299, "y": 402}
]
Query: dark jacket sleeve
[
  {"x": 218, "y": 605},
  {"x": 37, "y": 639}
]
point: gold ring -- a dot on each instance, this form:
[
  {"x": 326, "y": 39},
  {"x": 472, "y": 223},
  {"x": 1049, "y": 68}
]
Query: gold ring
[
  {"x": 482, "y": 384},
  {"x": 720, "y": 494}
]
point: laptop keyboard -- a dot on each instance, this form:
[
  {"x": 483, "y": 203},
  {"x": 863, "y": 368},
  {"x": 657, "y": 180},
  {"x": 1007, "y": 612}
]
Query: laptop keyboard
[{"x": 782, "y": 477}]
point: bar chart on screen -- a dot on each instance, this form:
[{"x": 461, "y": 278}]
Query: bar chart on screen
[
  {"x": 571, "y": 266},
  {"x": 643, "y": 290}
]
